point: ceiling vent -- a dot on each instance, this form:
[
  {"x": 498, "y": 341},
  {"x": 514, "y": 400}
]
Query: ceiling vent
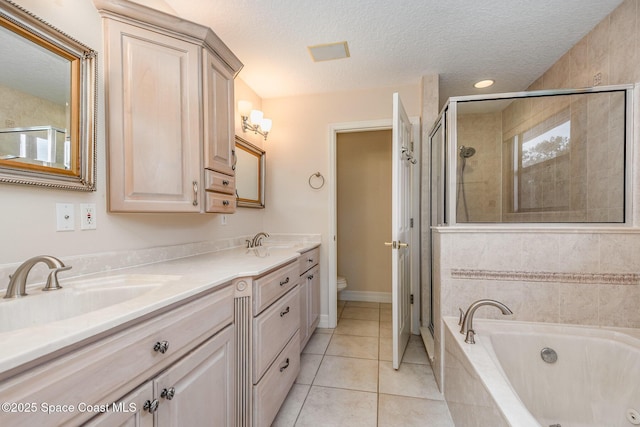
[{"x": 329, "y": 51}]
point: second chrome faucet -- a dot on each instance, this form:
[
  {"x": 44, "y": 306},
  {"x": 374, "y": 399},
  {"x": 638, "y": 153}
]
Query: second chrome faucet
[{"x": 467, "y": 320}]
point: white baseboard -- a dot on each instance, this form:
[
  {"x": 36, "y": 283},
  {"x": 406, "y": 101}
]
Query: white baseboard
[
  {"x": 324, "y": 321},
  {"x": 365, "y": 296}
]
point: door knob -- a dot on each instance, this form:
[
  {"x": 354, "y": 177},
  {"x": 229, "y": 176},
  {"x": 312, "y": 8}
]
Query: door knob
[
  {"x": 402, "y": 245},
  {"x": 393, "y": 244}
]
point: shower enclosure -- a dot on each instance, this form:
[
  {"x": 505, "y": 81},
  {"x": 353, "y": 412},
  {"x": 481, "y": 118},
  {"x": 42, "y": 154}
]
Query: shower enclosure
[{"x": 550, "y": 157}]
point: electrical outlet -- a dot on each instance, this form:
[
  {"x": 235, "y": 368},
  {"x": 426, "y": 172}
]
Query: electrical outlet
[
  {"x": 65, "y": 220},
  {"x": 87, "y": 216}
]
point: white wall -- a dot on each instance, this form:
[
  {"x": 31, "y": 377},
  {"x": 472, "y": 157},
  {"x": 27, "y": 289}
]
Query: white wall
[
  {"x": 27, "y": 218},
  {"x": 298, "y": 146}
]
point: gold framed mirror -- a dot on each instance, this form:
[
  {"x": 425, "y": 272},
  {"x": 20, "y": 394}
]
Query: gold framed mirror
[
  {"x": 47, "y": 104},
  {"x": 250, "y": 174}
]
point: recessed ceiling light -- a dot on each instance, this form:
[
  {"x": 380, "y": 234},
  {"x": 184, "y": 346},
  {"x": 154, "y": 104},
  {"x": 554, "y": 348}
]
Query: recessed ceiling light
[
  {"x": 484, "y": 83},
  {"x": 328, "y": 52}
]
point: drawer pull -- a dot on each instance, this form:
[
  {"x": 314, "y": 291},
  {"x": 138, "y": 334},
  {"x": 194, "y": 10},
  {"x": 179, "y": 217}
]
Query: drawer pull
[
  {"x": 168, "y": 393},
  {"x": 310, "y": 260},
  {"x": 285, "y": 281},
  {"x": 225, "y": 182},
  {"x": 225, "y": 202},
  {"x": 161, "y": 347},
  {"x": 152, "y": 405},
  {"x": 285, "y": 365},
  {"x": 310, "y": 277},
  {"x": 285, "y": 311}
]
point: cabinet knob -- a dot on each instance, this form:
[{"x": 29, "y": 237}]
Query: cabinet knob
[
  {"x": 310, "y": 260},
  {"x": 285, "y": 311},
  {"x": 225, "y": 182},
  {"x": 284, "y": 282},
  {"x": 285, "y": 365},
  {"x": 161, "y": 347},
  {"x": 151, "y": 405},
  {"x": 168, "y": 393},
  {"x": 310, "y": 277},
  {"x": 225, "y": 202}
]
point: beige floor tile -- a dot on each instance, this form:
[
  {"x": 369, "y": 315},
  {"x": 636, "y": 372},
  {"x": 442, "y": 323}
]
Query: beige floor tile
[
  {"x": 363, "y": 328},
  {"x": 385, "y": 315},
  {"x": 317, "y": 343},
  {"x": 385, "y": 329},
  {"x": 291, "y": 407},
  {"x": 410, "y": 380},
  {"x": 385, "y": 306},
  {"x": 351, "y": 346},
  {"x": 324, "y": 330},
  {"x": 361, "y": 313},
  {"x": 410, "y": 412},
  {"x": 309, "y": 364},
  {"x": 364, "y": 304},
  {"x": 334, "y": 407},
  {"x": 386, "y": 349},
  {"x": 415, "y": 352},
  {"x": 348, "y": 373},
  {"x": 341, "y": 303}
]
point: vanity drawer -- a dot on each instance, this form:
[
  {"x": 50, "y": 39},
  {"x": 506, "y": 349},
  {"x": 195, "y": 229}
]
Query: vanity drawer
[
  {"x": 220, "y": 203},
  {"x": 99, "y": 372},
  {"x": 269, "y": 394},
  {"x": 269, "y": 288},
  {"x": 272, "y": 329},
  {"x": 308, "y": 259},
  {"x": 222, "y": 183}
]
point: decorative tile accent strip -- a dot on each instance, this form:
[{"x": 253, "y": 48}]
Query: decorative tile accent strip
[{"x": 546, "y": 276}]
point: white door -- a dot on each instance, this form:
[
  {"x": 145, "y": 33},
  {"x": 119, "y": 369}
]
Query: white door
[{"x": 401, "y": 229}]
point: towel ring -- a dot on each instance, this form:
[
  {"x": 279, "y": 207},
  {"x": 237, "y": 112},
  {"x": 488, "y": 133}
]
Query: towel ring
[{"x": 317, "y": 175}]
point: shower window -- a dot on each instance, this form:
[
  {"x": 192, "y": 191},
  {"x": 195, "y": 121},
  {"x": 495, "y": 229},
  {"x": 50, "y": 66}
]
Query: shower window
[{"x": 541, "y": 157}]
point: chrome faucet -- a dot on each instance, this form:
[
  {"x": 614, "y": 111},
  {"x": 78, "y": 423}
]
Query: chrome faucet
[
  {"x": 257, "y": 240},
  {"x": 18, "y": 280},
  {"x": 467, "y": 320}
]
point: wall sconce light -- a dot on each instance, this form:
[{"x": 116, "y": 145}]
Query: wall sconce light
[{"x": 253, "y": 120}]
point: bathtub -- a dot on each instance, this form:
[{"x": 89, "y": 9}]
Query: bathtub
[{"x": 503, "y": 381}]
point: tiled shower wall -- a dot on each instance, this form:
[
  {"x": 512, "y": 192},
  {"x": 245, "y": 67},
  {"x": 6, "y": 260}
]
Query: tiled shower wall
[{"x": 610, "y": 52}]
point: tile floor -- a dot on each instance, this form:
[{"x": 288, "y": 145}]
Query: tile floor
[{"x": 346, "y": 377}]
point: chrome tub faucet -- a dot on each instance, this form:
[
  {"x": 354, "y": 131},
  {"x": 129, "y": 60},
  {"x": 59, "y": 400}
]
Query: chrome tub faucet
[
  {"x": 467, "y": 320},
  {"x": 18, "y": 280}
]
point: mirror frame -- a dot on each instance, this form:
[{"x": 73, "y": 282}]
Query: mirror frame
[
  {"x": 83, "y": 100},
  {"x": 243, "y": 144}
]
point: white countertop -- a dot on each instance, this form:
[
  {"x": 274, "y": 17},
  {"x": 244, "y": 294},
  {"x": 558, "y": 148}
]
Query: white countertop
[{"x": 182, "y": 278}]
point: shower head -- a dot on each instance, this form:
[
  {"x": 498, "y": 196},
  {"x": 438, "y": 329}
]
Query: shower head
[{"x": 466, "y": 152}]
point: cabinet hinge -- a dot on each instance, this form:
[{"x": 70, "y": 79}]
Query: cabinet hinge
[
  {"x": 412, "y": 146},
  {"x": 411, "y": 223},
  {"x": 411, "y": 299}
]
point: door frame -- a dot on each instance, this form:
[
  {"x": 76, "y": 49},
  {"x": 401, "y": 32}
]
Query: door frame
[{"x": 370, "y": 126}]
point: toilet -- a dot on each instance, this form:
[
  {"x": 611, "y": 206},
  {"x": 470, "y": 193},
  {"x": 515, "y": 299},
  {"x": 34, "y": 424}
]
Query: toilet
[{"x": 341, "y": 283}]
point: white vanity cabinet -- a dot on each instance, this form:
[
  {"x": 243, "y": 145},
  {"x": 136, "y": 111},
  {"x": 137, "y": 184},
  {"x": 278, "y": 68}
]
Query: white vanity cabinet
[
  {"x": 189, "y": 347},
  {"x": 169, "y": 117},
  {"x": 268, "y": 319},
  {"x": 309, "y": 270}
]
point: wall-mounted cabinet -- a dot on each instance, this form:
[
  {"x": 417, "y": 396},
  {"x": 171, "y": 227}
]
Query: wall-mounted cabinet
[{"x": 169, "y": 90}]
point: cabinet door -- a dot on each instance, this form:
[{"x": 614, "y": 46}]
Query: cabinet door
[
  {"x": 153, "y": 120},
  {"x": 200, "y": 389},
  {"x": 128, "y": 411},
  {"x": 219, "y": 143},
  {"x": 304, "y": 316},
  {"x": 313, "y": 278}
]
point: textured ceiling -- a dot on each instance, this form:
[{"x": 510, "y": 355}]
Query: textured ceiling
[{"x": 394, "y": 42}]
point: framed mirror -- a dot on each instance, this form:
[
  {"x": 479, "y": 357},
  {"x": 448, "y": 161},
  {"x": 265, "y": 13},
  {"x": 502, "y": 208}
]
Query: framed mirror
[
  {"x": 250, "y": 174},
  {"x": 47, "y": 104}
]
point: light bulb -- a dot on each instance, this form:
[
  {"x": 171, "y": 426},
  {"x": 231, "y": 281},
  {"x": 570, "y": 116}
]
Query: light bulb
[
  {"x": 244, "y": 108},
  {"x": 266, "y": 125},
  {"x": 256, "y": 117}
]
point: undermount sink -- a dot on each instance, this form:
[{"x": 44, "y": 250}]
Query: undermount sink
[{"x": 76, "y": 298}]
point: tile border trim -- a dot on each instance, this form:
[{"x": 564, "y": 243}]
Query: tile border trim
[{"x": 546, "y": 276}]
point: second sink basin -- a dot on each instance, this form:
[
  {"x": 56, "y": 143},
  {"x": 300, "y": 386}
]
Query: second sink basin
[{"x": 75, "y": 298}]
